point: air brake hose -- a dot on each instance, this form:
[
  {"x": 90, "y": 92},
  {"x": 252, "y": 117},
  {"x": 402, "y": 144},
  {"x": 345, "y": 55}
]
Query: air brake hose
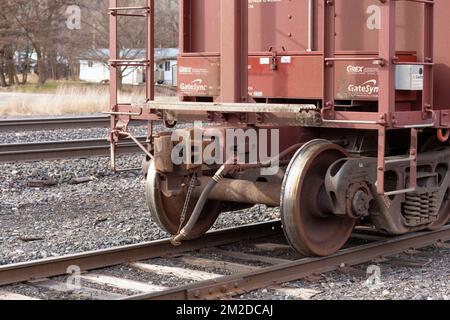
[{"x": 185, "y": 232}]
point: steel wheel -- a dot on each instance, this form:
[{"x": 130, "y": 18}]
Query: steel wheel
[
  {"x": 308, "y": 225},
  {"x": 166, "y": 211}
]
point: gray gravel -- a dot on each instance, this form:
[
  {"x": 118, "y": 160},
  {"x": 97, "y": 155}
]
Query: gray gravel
[
  {"x": 398, "y": 281},
  {"x": 108, "y": 211},
  {"x": 62, "y": 135},
  {"x": 69, "y": 134}
]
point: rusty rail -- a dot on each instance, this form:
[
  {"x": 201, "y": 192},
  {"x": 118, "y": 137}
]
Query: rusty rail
[
  {"x": 226, "y": 286},
  {"x": 57, "y": 123},
  {"x": 63, "y": 149},
  {"x": 241, "y": 283},
  {"x": 51, "y": 267}
]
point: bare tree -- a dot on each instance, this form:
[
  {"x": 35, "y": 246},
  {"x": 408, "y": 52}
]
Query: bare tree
[
  {"x": 38, "y": 27},
  {"x": 166, "y": 23},
  {"x": 38, "y": 24},
  {"x": 9, "y": 41}
]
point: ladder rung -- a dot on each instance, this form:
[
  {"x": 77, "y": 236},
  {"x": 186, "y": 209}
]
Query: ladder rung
[
  {"x": 397, "y": 192},
  {"x": 431, "y": 2},
  {"x": 129, "y": 8},
  {"x": 131, "y": 15},
  {"x": 130, "y": 62},
  {"x": 400, "y": 160},
  {"x": 114, "y": 11},
  {"x": 128, "y": 65},
  {"x": 414, "y": 63},
  {"x": 417, "y": 126},
  {"x": 353, "y": 59}
]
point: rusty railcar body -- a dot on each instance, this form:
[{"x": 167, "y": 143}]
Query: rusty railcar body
[{"x": 357, "y": 91}]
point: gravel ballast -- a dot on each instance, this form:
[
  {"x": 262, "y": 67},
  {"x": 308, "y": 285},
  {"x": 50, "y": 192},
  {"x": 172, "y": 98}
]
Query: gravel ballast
[
  {"x": 66, "y": 218},
  {"x": 62, "y": 135},
  {"x": 429, "y": 280}
]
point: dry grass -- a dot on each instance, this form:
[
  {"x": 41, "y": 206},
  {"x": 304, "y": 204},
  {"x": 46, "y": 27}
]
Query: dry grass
[{"x": 67, "y": 100}]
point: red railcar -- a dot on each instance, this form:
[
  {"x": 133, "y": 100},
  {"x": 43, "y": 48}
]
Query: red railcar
[{"x": 355, "y": 95}]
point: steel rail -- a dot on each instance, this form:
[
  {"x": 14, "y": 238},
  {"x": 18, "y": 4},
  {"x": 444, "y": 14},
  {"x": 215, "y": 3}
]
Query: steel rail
[
  {"x": 54, "y": 123},
  {"x": 63, "y": 149},
  {"x": 51, "y": 267},
  {"x": 229, "y": 286},
  {"x": 58, "y": 123}
]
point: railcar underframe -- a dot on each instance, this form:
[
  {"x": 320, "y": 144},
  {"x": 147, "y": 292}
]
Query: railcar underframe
[{"x": 379, "y": 164}]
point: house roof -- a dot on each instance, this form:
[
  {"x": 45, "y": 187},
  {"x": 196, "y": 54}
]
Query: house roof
[
  {"x": 103, "y": 54},
  {"x": 166, "y": 53}
]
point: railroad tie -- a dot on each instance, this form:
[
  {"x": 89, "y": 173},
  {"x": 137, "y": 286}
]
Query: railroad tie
[
  {"x": 123, "y": 284},
  {"x": 10, "y": 296},
  {"x": 247, "y": 256},
  {"x": 182, "y": 273},
  {"x": 87, "y": 292},
  {"x": 297, "y": 293},
  {"x": 217, "y": 264},
  {"x": 271, "y": 246}
]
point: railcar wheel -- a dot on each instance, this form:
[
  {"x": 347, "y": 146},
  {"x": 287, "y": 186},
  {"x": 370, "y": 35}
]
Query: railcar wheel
[
  {"x": 166, "y": 211},
  {"x": 308, "y": 224}
]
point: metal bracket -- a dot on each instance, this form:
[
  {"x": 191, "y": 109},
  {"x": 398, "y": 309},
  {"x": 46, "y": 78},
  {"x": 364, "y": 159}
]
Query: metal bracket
[
  {"x": 136, "y": 141},
  {"x": 119, "y": 134},
  {"x": 344, "y": 173}
]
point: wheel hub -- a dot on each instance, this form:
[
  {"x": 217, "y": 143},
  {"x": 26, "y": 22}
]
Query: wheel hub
[{"x": 359, "y": 199}]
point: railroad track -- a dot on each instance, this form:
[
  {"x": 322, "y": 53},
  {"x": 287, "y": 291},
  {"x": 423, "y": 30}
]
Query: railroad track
[
  {"x": 63, "y": 149},
  {"x": 249, "y": 258},
  {"x": 58, "y": 123}
]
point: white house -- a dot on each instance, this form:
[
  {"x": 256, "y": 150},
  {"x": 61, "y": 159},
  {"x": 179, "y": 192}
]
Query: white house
[
  {"x": 93, "y": 71},
  {"x": 166, "y": 66},
  {"x": 94, "y": 67}
]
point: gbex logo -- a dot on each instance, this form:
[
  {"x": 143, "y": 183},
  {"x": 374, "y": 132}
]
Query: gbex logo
[
  {"x": 185, "y": 69},
  {"x": 367, "y": 88},
  {"x": 352, "y": 69},
  {"x": 355, "y": 69},
  {"x": 195, "y": 86}
]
